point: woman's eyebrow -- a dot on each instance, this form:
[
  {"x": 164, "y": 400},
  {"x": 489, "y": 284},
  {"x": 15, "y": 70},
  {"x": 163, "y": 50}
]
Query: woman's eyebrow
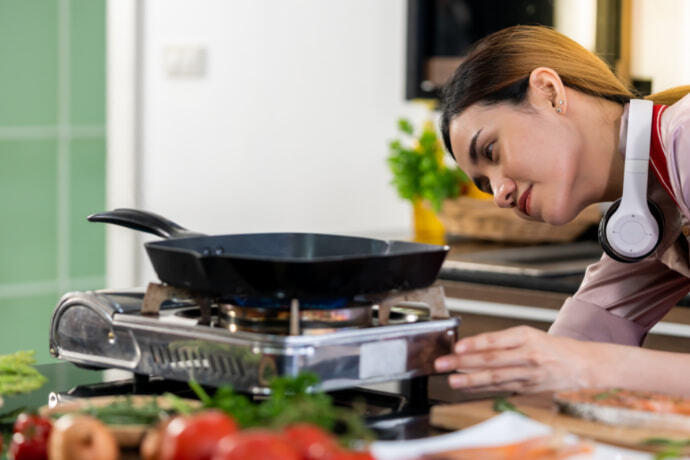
[{"x": 474, "y": 157}]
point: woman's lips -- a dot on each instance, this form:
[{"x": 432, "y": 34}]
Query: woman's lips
[{"x": 523, "y": 202}]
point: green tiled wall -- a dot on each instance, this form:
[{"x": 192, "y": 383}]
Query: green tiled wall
[
  {"x": 28, "y": 206},
  {"x": 52, "y": 161},
  {"x": 29, "y": 48}
]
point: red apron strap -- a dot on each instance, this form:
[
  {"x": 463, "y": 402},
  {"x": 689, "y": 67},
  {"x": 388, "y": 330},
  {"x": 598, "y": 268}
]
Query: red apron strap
[{"x": 656, "y": 152}]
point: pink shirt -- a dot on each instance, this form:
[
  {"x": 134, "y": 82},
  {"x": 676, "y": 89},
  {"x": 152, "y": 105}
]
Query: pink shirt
[{"x": 619, "y": 302}]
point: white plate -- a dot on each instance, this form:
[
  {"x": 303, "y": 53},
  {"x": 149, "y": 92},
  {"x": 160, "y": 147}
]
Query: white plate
[{"x": 505, "y": 428}]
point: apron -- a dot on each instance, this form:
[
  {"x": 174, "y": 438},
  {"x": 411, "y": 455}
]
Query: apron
[{"x": 656, "y": 152}]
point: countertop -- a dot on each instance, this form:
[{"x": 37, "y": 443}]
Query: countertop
[
  {"x": 489, "y": 301},
  {"x": 66, "y": 381},
  {"x": 461, "y": 249}
]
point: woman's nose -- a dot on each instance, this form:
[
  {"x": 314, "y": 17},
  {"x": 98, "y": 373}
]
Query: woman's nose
[{"x": 504, "y": 193}]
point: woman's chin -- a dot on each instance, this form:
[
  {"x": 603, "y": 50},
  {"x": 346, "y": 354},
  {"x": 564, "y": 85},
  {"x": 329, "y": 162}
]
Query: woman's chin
[
  {"x": 560, "y": 218},
  {"x": 553, "y": 218}
]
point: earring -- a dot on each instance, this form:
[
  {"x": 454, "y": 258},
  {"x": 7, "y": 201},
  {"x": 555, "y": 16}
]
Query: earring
[{"x": 560, "y": 102}]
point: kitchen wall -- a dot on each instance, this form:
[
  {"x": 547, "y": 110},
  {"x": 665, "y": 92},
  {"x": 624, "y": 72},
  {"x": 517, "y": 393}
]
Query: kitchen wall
[
  {"x": 661, "y": 42},
  {"x": 286, "y": 126},
  {"x": 275, "y": 116},
  {"x": 52, "y": 161}
]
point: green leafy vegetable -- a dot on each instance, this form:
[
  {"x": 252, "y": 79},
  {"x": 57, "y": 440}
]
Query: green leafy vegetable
[
  {"x": 17, "y": 374},
  {"x": 418, "y": 168},
  {"x": 503, "y": 405},
  {"x": 672, "y": 448},
  {"x": 125, "y": 412},
  {"x": 292, "y": 400},
  {"x": 606, "y": 394}
]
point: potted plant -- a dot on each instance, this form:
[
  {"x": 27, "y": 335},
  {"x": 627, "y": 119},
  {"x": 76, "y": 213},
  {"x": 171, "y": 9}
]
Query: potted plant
[{"x": 421, "y": 176}]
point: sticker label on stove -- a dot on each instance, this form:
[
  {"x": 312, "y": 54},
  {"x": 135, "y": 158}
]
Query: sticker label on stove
[{"x": 388, "y": 357}]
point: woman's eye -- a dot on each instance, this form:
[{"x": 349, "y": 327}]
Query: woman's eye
[{"x": 489, "y": 152}]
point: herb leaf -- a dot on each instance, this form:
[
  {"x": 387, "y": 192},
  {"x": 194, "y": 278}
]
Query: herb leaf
[
  {"x": 418, "y": 168},
  {"x": 673, "y": 448},
  {"x": 292, "y": 400},
  {"x": 606, "y": 394},
  {"x": 17, "y": 374},
  {"x": 503, "y": 405}
]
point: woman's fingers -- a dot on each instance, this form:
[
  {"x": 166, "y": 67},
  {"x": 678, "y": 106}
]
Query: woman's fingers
[
  {"x": 508, "y": 338},
  {"x": 487, "y": 359},
  {"x": 507, "y": 378},
  {"x": 492, "y": 349},
  {"x": 519, "y": 359}
]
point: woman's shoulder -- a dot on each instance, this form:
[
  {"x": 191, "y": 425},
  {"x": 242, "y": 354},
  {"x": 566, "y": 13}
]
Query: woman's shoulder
[
  {"x": 675, "y": 135},
  {"x": 677, "y": 113}
]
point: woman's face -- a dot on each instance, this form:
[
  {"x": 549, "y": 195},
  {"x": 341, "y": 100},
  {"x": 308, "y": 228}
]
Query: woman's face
[{"x": 529, "y": 157}]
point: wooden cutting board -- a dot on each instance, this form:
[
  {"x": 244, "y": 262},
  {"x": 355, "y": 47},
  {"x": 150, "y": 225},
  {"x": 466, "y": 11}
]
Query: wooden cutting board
[
  {"x": 127, "y": 436},
  {"x": 541, "y": 408}
]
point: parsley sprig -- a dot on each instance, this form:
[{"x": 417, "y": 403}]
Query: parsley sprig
[
  {"x": 419, "y": 172},
  {"x": 671, "y": 448},
  {"x": 292, "y": 400}
]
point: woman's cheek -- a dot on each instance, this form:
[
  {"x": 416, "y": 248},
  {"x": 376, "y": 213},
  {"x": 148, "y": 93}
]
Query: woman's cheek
[{"x": 558, "y": 208}]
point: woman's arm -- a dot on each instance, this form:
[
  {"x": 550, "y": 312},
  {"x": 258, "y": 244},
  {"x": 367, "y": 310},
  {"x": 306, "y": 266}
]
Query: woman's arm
[{"x": 527, "y": 360}]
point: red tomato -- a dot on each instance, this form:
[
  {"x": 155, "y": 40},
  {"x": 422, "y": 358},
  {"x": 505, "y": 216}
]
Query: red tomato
[
  {"x": 194, "y": 437},
  {"x": 311, "y": 442},
  {"x": 23, "y": 447},
  {"x": 30, "y": 438},
  {"x": 33, "y": 425},
  {"x": 255, "y": 444}
]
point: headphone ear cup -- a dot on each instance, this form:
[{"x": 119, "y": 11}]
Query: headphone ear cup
[
  {"x": 659, "y": 217},
  {"x": 603, "y": 241},
  {"x": 606, "y": 246}
]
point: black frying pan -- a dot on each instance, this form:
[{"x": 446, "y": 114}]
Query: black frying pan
[{"x": 280, "y": 265}]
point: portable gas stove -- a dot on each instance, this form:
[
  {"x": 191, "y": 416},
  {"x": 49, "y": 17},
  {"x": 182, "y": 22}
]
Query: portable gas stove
[{"x": 177, "y": 334}]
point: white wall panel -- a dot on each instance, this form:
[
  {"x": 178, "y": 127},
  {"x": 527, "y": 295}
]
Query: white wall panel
[
  {"x": 287, "y": 129},
  {"x": 661, "y": 42}
]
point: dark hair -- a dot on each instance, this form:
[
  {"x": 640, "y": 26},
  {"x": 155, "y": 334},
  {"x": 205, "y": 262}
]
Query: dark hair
[{"x": 497, "y": 69}]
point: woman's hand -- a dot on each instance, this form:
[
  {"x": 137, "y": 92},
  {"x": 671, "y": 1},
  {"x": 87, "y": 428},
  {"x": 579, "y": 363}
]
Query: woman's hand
[{"x": 521, "y": 359}]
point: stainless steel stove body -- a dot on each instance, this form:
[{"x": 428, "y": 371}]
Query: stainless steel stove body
[{"x": 107, "y": 329}]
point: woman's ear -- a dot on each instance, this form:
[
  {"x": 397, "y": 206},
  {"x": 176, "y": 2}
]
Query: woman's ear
[{"x": 546, "y": 90}]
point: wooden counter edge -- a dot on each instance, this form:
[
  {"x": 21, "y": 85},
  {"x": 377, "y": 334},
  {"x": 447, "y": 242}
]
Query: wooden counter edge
[{"x": 540, "y": 407}]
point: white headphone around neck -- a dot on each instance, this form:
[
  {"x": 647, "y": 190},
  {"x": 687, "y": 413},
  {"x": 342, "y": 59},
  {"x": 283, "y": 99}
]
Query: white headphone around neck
[{"x": 633, "y": 225}]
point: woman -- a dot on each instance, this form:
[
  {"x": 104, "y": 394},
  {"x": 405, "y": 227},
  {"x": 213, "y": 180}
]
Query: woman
[{"x": 539, "y": 122}]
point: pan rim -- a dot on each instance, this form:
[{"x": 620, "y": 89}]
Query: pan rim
[{"x": 414, "y": 248}]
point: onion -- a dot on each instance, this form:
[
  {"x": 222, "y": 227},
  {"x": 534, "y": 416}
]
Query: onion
[{"x": 82, "y": 437}]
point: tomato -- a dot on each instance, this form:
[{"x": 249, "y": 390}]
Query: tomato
[
  {"x": 255, "y": 444},
  {"x": 33, "y": 425},
  {"x": 23, "y": 447},
  {"x": 311, "y": 442},
  {"x": 30, "y": 438},
  {"x": 194, "y": 437}
]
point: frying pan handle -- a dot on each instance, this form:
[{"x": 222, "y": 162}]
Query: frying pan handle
[{"x": 143, "y": 221}]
